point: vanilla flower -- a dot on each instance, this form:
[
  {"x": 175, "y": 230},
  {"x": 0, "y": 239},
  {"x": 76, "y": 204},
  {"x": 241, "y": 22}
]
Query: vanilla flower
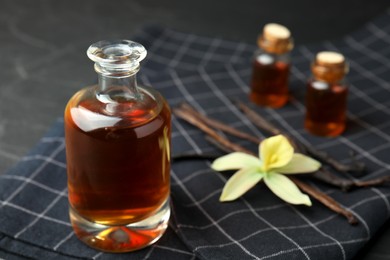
[{"x": 276, "y": 159}]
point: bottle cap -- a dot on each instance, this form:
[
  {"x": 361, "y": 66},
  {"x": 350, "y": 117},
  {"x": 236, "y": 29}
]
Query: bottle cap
[{"x": 276, "y": 38}]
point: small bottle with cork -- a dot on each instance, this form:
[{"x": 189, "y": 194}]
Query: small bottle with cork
[
  {"x": 271, "y": 67},
  {"x": 326, "y": 96}
]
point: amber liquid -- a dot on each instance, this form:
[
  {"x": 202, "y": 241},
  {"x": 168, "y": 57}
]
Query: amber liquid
[
  {"x": 269, "y": 85},
  {"x": 325, "y": 108},
  {"x": 118, "y": 167}
]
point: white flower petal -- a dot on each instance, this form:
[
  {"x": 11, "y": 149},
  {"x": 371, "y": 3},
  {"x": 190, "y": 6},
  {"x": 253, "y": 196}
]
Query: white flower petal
[
  {"x": 239, "y": 183},
  {"x": 275, "y": 152},
  {"x": 234, "y": 161},
  {"x": 300, "y": 164},
  {"x": 285, "y": 189}
]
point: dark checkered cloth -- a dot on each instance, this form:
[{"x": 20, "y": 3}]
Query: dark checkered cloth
[{"x": 208, "y": 73}]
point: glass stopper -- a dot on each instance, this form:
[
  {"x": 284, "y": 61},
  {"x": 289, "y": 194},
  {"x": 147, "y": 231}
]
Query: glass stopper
[{"x": 117, "y": 56}]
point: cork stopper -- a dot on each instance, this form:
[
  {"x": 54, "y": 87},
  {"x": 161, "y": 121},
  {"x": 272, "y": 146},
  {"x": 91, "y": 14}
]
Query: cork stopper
[
  {"x": 276, "y": 39},
  {"x": 329, "y": 66},
  {"x": 274, "y": 31},
  {"x": 330, "y": 58}
]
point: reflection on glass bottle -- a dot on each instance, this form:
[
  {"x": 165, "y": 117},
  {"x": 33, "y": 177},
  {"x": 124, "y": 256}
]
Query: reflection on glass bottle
[
  {"x": 271, "y": 67},
  {"x": 326, "y": 96},
  {"x": 118, "y": 167}
]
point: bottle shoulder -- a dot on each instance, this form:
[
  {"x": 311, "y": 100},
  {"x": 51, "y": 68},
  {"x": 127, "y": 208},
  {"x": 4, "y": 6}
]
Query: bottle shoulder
[{"x": 88, "y": 111}]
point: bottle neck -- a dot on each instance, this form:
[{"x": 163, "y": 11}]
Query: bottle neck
[
  {"x": 117, "y": 62},
  {"x": 275, "y": 46},
  {"x": 117, "y": 89}
]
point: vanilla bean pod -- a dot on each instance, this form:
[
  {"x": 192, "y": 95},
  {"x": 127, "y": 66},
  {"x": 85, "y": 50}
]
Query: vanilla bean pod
[
  {"x": 185, "y": 115},
  {"x": 347, "y": 184},
  {"x": 219, "y": 125},
  {"x": 334, "y": 180},
  {"x": 260, "y": 122},
  {"x": 320, "y": 155},
  {"x": 321, "y": 197},
  {"x": 373, "y": 182},
  {"x": 263, "y": 124},
  {"x": 326, "y": 200}
]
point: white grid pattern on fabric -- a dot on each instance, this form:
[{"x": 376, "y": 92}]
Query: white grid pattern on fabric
[
  {"x": 60, "y": 148},
  {"x": 42, "y": 214},
  {"x": 215, "y": 224},
  {"x": 32, "y": 213}
]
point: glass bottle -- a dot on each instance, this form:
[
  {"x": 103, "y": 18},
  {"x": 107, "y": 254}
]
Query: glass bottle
[
  {"x": 117, "y": 137},
  {"x": 271, "y": 67},
  {"x": 326, "y": 96}
]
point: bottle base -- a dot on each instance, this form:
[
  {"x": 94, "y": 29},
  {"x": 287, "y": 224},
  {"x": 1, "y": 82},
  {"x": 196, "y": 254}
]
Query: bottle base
[
  {"x": 273, "y": 101},
  {"x": 126, "y": 238},
  {"x": 324, "y": 129}
]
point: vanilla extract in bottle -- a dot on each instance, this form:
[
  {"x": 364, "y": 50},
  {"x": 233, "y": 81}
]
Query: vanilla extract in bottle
[
  {"x": 326, "y": 96},
  {"x": 117, "y": 137},
  {"x": 271, "y": 67}
]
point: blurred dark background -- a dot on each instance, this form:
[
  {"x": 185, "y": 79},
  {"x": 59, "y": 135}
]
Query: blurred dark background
[{"x": 43, "y": 44}]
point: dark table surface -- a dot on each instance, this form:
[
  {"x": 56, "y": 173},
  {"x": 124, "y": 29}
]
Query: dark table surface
[{"x": 38, "y": 35}]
